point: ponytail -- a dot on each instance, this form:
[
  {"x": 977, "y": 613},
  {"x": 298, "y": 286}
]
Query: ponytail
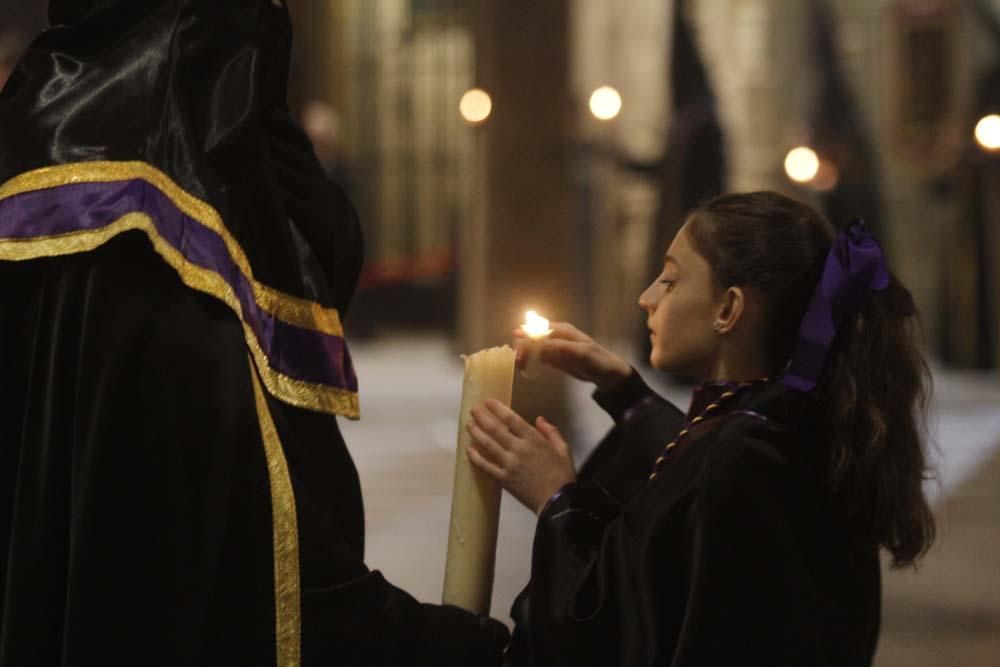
[
  {"x": 876, "y": 390},
  {"x": 874, "y": 387}
]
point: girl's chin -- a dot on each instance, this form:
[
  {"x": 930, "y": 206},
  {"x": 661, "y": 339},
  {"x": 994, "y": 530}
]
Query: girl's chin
[
  {"x": 659, "y": 363},
  {"x": 671, "y": 366}
]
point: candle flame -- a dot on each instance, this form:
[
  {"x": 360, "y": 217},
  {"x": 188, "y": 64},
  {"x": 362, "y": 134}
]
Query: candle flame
[{"x": 535, "y": 325}]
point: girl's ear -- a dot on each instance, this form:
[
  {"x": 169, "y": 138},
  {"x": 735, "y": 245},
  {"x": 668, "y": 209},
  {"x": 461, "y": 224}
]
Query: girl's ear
[{"x": 730, "y": 310}]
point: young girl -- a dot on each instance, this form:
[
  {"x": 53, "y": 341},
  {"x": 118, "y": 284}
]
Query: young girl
[{"x": 748, "y": 530}]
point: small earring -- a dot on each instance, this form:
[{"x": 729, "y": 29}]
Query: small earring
[{"x": 718, "y": 326}]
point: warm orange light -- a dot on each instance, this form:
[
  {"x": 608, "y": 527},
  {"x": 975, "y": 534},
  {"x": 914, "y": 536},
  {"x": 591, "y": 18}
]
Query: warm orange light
[
  {"x": 802, "y": 164},
  {"x": 475, "y": 106},
  {"x": 988, "y": 132},
  {"x": 535, "y": 326},
  {"x": 827, "y": 176},
  {"x": 605, "y": 103}
]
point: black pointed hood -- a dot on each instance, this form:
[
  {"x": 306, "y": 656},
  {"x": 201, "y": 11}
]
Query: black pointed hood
[
  {"x": 183, "y": 85},
  {"x": 176, "y": 110}
]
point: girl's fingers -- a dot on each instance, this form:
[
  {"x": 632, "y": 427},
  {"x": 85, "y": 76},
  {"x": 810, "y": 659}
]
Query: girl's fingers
[
  {"x": 564, "y": 354},
  {"x": 559, "y": 330},
  {"x": 547, "y": 429},
  {"x": 551, "y": 433},
  {"x": 564, "y": 347},
  {"x": 489, "y": 424},
  {"x": 488, "y": 446},
  {"x": 519, "y": 352},
  {"x": 504, "y": 422},
  {"x": 567, "y": 331},
  {"x": 488, "y": 467}
]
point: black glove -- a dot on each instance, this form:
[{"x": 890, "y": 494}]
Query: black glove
[{"x": 460, "y": 637}]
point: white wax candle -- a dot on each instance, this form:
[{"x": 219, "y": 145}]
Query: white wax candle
[{"x": 475, "y": 501}]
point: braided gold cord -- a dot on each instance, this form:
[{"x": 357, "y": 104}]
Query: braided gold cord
[{"x": 709, "y": 409}]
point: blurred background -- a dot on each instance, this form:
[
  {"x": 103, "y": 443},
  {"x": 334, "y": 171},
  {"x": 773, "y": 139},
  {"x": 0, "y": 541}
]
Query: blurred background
[{"x": 509, "y": 154}]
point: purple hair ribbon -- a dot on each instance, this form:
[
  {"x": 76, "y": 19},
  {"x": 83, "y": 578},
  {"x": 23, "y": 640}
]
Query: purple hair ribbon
[{"x": 855, "y": 269}]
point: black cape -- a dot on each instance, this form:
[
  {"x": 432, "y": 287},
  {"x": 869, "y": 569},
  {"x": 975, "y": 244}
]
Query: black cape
[
  {"x": 729, "y": 556},
  {"x": 174, "y": 489}
]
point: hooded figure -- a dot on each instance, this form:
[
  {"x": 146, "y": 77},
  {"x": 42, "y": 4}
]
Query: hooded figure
[{"x": 174, "y": 267}]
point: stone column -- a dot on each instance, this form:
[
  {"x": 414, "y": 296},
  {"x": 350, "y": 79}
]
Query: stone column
[
  {"x": 319, "y": 53},
  {"x": 624, "y": 45},
  {"x": 754, "y": 52},
  {"x": 517, "y": 248}
]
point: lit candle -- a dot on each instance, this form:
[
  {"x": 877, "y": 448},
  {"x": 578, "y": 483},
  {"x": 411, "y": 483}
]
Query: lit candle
[
  {"x": 536, "y": 328},
  {"x": 475, "y": 500}
]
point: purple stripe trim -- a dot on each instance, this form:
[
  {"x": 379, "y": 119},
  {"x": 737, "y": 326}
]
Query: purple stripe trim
[{"x": 303, "y": 354}]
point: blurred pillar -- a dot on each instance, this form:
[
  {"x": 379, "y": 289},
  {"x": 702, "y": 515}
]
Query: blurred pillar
[
  {"x": 320, "y": 69},
  {"x": 990, "y": 203},
  {"x": 625, "y": 46},
  {"x": 516, "y": 248},
  {"x": 753, "y": 51}
]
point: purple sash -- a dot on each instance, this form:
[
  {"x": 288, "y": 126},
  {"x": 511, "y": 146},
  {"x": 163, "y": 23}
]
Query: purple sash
[{"x": 307, "y": 360}]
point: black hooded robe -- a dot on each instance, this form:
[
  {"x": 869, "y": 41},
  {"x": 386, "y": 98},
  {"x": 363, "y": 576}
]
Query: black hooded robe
[{"x": 174, "y": 489}]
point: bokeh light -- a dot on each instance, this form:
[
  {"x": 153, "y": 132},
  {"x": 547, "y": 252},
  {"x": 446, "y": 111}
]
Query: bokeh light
[
  {"x": 475, "y": 106},
  {"x": 988, "y": 132},
  {"x": 605, "y": 103},
  {"x": 827, "y": 176},
  {"x": 802, "y": 164}
]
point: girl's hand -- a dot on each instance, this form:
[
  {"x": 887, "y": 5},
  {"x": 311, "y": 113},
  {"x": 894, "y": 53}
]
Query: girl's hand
[
  {"x": 577, "y": 354},
  {"x": 531, "y": 463}
]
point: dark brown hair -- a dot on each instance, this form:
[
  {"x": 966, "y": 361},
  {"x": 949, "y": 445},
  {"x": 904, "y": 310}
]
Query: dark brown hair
[{"x": 875, "y": 387}]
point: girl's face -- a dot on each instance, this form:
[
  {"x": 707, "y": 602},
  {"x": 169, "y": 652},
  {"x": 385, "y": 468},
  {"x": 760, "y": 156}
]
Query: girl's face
[{"x": 682, "y": 305}]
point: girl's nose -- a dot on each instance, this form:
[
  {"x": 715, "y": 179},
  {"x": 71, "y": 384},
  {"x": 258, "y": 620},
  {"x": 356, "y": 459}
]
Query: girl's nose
[{"x": 646, "y": 300}]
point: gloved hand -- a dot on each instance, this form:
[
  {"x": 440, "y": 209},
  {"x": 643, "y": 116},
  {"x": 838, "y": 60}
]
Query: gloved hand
[{"x": 464, "y": 638}]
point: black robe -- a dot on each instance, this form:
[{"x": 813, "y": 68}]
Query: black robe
[
  {"x": 729, "y": 556},
  {"x": 135, "y": 513},
  {"x": 167, "y": 497}
]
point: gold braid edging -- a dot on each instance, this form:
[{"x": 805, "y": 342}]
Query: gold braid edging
[
  {"x": 309, "y": 395},
  {"x": 299, "y": 312},
  {"x": 285, "y": 538}
]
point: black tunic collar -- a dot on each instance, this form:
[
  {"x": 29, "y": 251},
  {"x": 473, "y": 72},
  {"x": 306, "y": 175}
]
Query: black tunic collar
[{"x": 771, "y": 401}]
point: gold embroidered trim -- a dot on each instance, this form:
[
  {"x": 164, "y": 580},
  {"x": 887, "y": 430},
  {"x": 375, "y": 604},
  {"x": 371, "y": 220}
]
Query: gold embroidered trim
[
  {"x": 300, "y": 312},
  {"x": 285, "y": 537},
  {"x": 309, "y": 395}
]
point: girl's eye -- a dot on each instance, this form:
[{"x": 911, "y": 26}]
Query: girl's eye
[{"x": 669, "y": 284}]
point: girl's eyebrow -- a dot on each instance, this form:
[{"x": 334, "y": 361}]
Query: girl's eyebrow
[{"x": 670, "y": 259}]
